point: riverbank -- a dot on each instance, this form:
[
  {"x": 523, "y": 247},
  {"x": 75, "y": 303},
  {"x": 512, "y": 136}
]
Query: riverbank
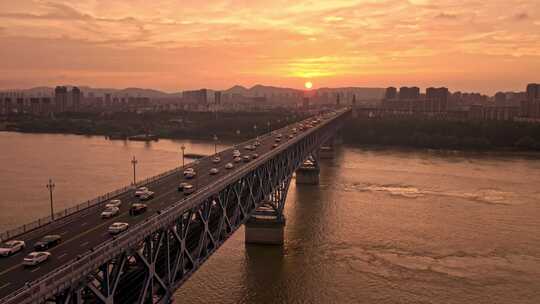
[
  {"x": 179, "y": 125},
  {"x": 444, "y": 135}
]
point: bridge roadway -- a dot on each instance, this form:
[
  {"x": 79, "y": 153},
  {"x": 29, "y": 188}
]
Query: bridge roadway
[{"x": 83, "y": 234}]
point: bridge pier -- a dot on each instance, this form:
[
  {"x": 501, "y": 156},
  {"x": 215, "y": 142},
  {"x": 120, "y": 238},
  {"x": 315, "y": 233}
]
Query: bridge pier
[
  {"x": 307, "y": 176},
  {"x": 265, "y": 230}
]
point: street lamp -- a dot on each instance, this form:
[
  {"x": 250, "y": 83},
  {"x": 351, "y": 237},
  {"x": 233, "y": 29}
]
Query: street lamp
[
  {"x": 183, "y": 148},
  {"x": 268, "y": 124},
  {"x": 215, "y": 144},
  {"x": 51, "y": 186},
  {"x": 134, "y": 163}
]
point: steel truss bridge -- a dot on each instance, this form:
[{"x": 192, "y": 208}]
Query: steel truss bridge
[{"x": 166, "y": 245}]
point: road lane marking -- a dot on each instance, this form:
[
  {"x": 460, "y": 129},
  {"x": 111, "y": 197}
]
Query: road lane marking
[
  {"x": 35, "y": 269},
  {"x": 84, "y": 224},
  {"x": 5, "y": 285},
  {"x": 85, "y": 243},
  {"x": 62, "y": 255}
]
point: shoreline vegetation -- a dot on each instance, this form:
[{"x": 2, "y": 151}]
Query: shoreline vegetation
[
  {"x": 185, "y": 125},
  {"x": 404, "y": 133},
  {"x": 444, "y": 135}
]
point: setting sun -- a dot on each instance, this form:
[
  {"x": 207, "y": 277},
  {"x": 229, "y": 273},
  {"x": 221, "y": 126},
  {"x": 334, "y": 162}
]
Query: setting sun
[{"x": 308, "y": 85}]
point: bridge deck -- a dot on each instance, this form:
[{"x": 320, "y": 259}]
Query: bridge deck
[{"x": 80, "y": 236}]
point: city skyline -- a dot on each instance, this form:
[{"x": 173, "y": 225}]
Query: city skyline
[{"x": 466, "y": 46}]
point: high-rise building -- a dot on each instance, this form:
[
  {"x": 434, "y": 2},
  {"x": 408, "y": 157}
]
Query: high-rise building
[
  {"x": 196, "y": 96},
  {"x": 391, "y": 93},
  {"x": 409, "y": 93},
  {"x": 530, "y": 107},
  {"x": 217, "y": 97},
  {"x": 500, "y": 99},
  {"x": 60, "y": 99},
  {"x": 108, "y": 100},
  {"x": 533, "y": 91},
  {"x": 437, "y": 99},
  {"x": 75, "y": 99}
]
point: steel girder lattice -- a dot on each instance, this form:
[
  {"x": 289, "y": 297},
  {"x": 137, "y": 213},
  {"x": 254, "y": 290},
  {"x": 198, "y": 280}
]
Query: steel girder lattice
[{"x": 148, "y": 266}]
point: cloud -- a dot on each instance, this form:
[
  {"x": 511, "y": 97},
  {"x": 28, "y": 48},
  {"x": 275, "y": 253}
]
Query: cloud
[
  {"x": 446, "y": 16},
  {"x": 521, "y": 16},
  {"x": 194, "y": 43}
]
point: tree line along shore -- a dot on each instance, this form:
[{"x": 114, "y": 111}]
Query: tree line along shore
[{"x": 419, "y": 133}]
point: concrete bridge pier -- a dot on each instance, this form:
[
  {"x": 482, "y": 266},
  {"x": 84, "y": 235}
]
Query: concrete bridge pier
[
  {"x": 307, "y": 175},
  {"x": 265, "y": 230},
  {"x": 266, "y": 225}
]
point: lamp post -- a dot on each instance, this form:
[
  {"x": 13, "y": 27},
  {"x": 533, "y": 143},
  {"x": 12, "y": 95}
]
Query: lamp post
[
  {"x": 215, "y": 144},
  {"x": 183, "y": 148},
  {"x": 268, "y": 124},
  {"x": 51, "y": 186},
  {"x": 134, "y": 163}
]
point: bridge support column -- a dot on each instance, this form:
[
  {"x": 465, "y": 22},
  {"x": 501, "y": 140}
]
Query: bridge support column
[
  {"x": 266, "y": 224},
  {"x": 308, "y": 173},
  {"x": 307, "y": 176},
  {"x": 265, "y": 230}
]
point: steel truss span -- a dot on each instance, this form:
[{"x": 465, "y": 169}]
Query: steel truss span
[{"x": 148, "y": 264}]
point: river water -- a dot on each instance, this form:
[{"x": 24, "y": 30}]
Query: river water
[{"x": 384, "y": 226}]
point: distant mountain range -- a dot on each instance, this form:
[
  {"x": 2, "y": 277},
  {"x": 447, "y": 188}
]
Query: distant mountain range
[{"x": 257, "y": 90}]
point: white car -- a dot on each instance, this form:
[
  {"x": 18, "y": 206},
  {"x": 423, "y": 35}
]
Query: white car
[
  {"x": 140, "y": 191},
  {"x": 110, "y": 212},
  {"x": 236, "y": 153},
  {"x": 214, "y": 171},
  {"x": 114, "y": 203},
  {"x": 229, "y": 166},
  {"x": 237, "y": 159},
  {"x": 146, "y": 195},
  {"x": 11, "y": 247},
  {"x": 216, "y": 159},
  {"x": 116, "y": 228},
  {"x": 36, "y": 257},
  {"x": 189, "y": 170},
  {"x": 188, "y": 189}
]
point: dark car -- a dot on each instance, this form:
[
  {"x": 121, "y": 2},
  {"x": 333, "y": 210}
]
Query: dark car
[
  {"x": 182, "y": 186},
  {"x": 47, "y": 242},
  {"x": 137, "y": 208}
]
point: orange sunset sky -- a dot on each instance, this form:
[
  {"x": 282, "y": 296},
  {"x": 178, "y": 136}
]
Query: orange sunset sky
[{"x": 172, "y": 45}]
